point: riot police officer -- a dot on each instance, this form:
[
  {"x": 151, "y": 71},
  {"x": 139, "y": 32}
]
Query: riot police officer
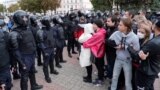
[
  {"x": 60, "y": 40},
  {"x": 46, "y": 43},
  {"x": 23, "y": 47},
  {"x": 34, "y": 28},
  {"x": 71, "y": 27},
  {"x": 5, "y": 76}
]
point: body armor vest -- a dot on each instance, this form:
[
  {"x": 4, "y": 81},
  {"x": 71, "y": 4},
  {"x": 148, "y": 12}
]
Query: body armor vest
[{"x": 26, "y": 41}]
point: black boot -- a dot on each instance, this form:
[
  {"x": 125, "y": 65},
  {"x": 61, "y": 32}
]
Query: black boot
[
  {"x": 63, "y": 61},
  {"x": 58, "y": 66},
  {"x": 87, "y": 79},
  {"x": 54, "y": 72},
  {"x": 36, "y": 87},
  {"x": 16, "y": 75},
  {"x": 48, "y": 79},
  {"x": 74, "y": 52},
  {"x": 69, "y": 55},
  {"x": 40, "y": 64}
]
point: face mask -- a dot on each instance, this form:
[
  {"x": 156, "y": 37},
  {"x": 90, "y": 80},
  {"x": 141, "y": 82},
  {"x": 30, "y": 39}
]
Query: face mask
[{"x": 140, "y": 35}]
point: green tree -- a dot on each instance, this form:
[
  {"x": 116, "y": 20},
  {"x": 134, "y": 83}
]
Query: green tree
[
  {"x": 155, "y": 5},
  {"x": 39, "y": 5},
  {"x": 102, "y": 4},
  {"x": 13, "y": 7},
  {"x": 31, "y": 5},
  {"x": 50, "y": 4},
  {"x": 1, "y": 7}
]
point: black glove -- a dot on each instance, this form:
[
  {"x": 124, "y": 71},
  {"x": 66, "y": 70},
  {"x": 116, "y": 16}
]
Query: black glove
[{"x": 46, "y": 54}]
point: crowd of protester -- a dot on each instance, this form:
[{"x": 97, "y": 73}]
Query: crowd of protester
[{"x": 129, "y": 43}]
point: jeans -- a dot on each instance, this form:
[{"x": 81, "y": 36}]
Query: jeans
[{"x": 127, "y": 67}]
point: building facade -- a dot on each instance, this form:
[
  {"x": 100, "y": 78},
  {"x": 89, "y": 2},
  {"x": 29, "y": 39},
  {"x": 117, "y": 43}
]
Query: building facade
[{"x": 68, "y": 5}]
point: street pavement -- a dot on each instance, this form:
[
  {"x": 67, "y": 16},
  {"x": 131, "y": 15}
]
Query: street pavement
[{"x": 69, "y": 78}]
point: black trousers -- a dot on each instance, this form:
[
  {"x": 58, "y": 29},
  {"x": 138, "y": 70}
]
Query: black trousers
[
  {"x": 144, "y": 82},
  {"x": 29, "y": 60},
  {"x": 5, "y": 77},
  {"x": 111, "y": 57},
  {"x": 39, "y": 52},
  {"x": 58, "y": 55},
  {"x": 70, "y": 45},
  {"x": 89, "y": 71},
  {"x": 99, "y": 62},
  {"x": 48, "y": 61}
]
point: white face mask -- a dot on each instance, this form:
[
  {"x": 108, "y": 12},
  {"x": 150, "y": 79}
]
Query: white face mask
[{"x": 140, "y": 35}]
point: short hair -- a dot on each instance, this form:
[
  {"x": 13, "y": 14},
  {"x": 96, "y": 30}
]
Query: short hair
[
  {"x": 131, "y": 13},
  {"x": 98, "y": 22}
]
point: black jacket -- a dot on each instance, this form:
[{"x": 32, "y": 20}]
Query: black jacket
[
  {"x": 110, "y": 50},
  {"x": 21, "y": 41},
  {"x": 34, "y": 30},
  {"x": 4, "y": 54},
  {"x": 150, "y": 66},
  {"x": 59, "y": 36},
  {"x": 46, "y": 40}
]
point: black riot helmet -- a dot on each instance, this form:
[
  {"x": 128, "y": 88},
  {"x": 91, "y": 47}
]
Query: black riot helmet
[
  {"x": 46, "y": 21},
  {"x": 72, "y": 16},
  {"x": 57, "y": 20},
  {"x": 33, "y": 20},
  {"x": 20, "y": 18},
  {"x": 2, "y": 23}
]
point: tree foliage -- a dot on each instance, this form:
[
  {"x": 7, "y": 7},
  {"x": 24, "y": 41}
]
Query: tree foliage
[
  {"x": 1, "y": 7},
  {"x": 39, "y": 5},
  {"x": 155, "y": 5},
  {"x": 13, "y": 7},
  {"x": 50, "y": 4},
  {"x": 102, "y": 4},
  {"x": 31, "y": 5},
  {"x": 126, "y": 4}
]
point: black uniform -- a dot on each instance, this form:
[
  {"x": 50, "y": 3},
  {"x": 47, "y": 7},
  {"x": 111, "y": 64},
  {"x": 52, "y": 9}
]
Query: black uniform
[
  {"x": 46, "y": 43},
  {"x": 60, "y": 40},
  {"x": 60, "y": 43},
  {"x": 34, "y": 28},
  {"x": 71, "y": 39},
  {"x": 23, "y": 47},
  {"x": 5, "y": 76}
]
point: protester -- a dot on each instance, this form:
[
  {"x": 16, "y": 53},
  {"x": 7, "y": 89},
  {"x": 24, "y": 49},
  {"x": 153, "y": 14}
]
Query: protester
[
  {"x": 97, "y": 45},
  {"x": 123, "y": 38},
  {"x": 149, "y": 57},
  {"x": 85, "y": 55}
]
